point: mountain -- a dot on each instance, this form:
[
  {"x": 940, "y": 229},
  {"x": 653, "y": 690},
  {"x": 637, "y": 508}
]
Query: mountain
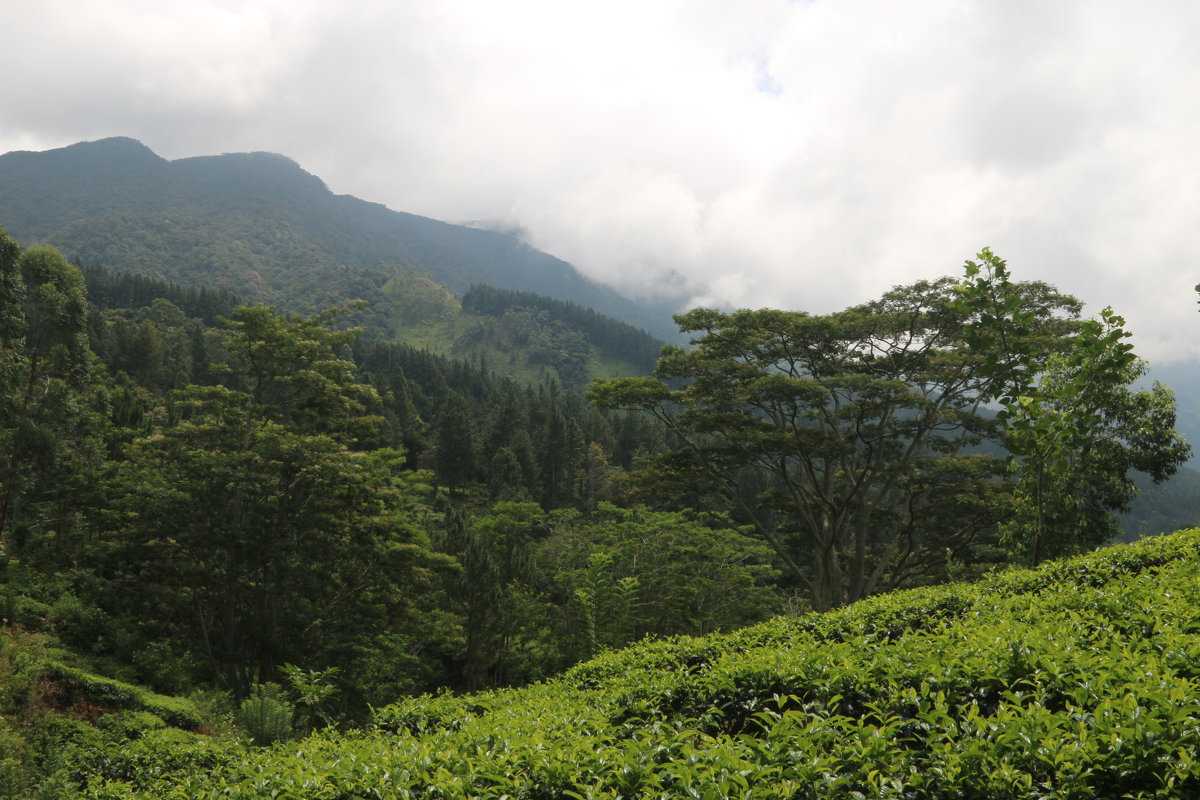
[{"x": 259, "y": 225}]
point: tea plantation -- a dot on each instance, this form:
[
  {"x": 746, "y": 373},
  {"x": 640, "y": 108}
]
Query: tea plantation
[{"x": 1078, "y": 680}]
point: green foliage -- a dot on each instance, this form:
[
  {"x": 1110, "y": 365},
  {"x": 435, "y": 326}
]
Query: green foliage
[
  {"x": 623, "y": 341},
  {"x": 658, "y": 573},
  {"x": 837, "y": 437},
  {"x": 243, "y": 510},
  {"x": 223, "y": 508},
  {"x": 455, "y": 456},
  {"x": 249, "y": 526},
  {"x": 496, "y": 553},
  {"x": 294, "y": 372},
  {"x": 1170, "y": 506},
  {"x": 526, "y": 337},
  {"x": 71, "y": 686},
  {"x": 266, "y": 715},
  {"x": 114, "y": 290},
  {"x": 14, "y": 777},
  {"x": 282, "y": 547},
  {"x": 314, "y": 690},
  {"x": 606, "y": 605},
  {"x": 50, "y": 395},
  {"x": 54, "y": 717},
  {"x": 930, "y": 693},
  {"x": 524, "y": 443},
  {"x": 155, "y": 755},
  {"x": 1071, "y": 419},
  {"x": 855, "y": 443}
]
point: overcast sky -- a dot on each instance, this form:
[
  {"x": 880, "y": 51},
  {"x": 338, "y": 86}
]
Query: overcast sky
[{"x": 804, "y": 155}]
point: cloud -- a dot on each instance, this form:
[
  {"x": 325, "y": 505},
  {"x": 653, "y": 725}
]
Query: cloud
[{"x": 806, "y": 154}]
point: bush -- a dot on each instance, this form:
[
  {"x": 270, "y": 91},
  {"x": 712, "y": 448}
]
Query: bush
[
  {"x": 14, "y": 777},
  {"x": 157, "y": 754},
  {"x": 72, "y": 684}
]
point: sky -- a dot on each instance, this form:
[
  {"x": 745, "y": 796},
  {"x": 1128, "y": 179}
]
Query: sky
[{"x": 802, "y": 155}]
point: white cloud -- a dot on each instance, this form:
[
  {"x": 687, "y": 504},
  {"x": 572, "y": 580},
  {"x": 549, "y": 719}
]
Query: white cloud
[{"x": 807, "y": 154}]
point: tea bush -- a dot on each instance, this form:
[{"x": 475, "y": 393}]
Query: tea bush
[{"x": 1078, "y": 680}]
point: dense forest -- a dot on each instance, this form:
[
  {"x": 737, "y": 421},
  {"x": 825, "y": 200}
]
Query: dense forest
[
  {"x": 636, "y": 346},
  {"x": 233, "y": 489},
  {"x": 292, "y": 522}
]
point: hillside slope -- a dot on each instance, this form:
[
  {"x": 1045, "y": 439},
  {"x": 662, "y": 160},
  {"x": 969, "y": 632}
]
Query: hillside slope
[
  {"x": 1075, "y": 680},
  {"x": 256, "y": 223}
]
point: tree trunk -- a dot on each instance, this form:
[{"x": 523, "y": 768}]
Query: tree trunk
[{"x": 827, "y": 590}]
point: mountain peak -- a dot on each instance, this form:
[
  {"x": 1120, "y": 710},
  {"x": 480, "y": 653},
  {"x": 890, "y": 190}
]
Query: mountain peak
[
  {"x": 121, "y": 148},
  {"x": 270, "y": 169}
]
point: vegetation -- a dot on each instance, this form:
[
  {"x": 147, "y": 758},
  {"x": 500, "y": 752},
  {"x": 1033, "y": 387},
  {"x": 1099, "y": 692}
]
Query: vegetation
[
  {"x": 929, "y": 693},
  {"x": 113, "y": 290},
  {"x": 1070, "y": 416},
  {"x": 273, "y": 501},
  {"x": 610, "y": 336},
  {"x": 861, "y": 429},
  {"x": 295, "y": 525},
  {"x": 1170, "y": 506}
]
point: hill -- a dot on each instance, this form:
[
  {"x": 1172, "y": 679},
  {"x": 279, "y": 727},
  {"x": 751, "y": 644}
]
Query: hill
[
  {"x": 518, "y": 335},
  {"x": 259, "y": 225},
  {"x": 929, "y": 693},
  {"x": 1164, "y": 507}
]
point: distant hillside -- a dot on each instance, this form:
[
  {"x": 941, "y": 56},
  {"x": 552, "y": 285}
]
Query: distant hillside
[
  {"x": 259, "y": 225},
  {"x": 519, "y": 335},
  {"x": 1183, "y": 377},
  {"x": 1165, "y": 507}
]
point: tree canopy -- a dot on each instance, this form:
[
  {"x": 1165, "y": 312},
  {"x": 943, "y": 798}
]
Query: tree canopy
[{"x": 856, "y": 443}]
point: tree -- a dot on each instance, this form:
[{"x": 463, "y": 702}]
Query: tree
[
  {"x": 52, "y": 395},
  {"x": 1073, "y": 424},
  {"x": 291, "y": 368},
  {"x": 455, "y": 458},
  {"x": 560, "y": 452},
  {"x": 495, "y": 550},
  {"x": 605, "y": 605},
  {"x": 252, "y": 530},
  {"x": 845, "y": 424},
  {"x": 634, "y": 571}
]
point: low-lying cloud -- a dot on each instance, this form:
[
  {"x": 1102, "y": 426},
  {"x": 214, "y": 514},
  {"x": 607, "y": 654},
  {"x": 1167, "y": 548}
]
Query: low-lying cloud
[{"x": 805, "y": 155}]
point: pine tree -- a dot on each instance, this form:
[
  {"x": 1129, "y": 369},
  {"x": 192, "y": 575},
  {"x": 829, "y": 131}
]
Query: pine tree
[{"x": 455, "y": 459}]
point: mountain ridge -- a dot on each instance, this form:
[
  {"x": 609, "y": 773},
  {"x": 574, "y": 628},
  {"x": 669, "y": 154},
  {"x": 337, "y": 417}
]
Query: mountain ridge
[{"x": 115, "y": 202}]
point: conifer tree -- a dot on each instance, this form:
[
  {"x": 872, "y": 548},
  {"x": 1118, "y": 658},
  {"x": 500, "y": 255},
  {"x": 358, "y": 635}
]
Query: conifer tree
[{"x": 455, "y": 459}]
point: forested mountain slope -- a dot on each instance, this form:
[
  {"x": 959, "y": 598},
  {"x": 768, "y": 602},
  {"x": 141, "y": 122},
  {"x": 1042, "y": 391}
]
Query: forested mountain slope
[
  {"x": 1075, "y": 680},
  {"x": 520, "y": 335},
  {"x": 258, "y": 224},
  {"x": 1163, "y": 507}
]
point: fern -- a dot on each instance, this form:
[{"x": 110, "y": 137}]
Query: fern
[{"x": 266, "y": 715}]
